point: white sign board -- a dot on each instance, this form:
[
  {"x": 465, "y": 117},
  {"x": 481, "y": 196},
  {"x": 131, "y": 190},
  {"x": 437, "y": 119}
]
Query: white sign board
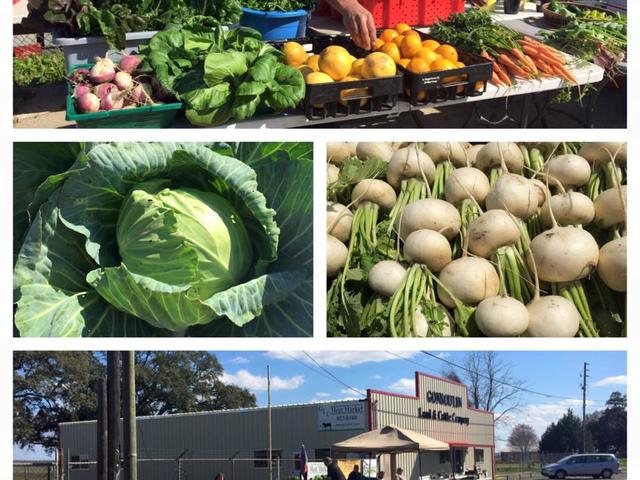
[
  {"x": 342, "y": 416},
  {"x": 315, "y": 469},
  {"x": 369, "y": 467}
]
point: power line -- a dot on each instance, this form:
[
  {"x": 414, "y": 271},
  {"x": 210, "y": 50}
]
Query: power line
[
  {"x": 515, "y": 387},
  {"x": 333, "y": 376}
]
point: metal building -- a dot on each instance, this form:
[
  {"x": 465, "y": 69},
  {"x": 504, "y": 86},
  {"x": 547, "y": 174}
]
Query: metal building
[{"x": 197, "y": 446}]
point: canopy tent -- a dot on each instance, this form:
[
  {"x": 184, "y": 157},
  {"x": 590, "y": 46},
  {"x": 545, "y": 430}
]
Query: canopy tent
[{"x": 390, "y": 439}]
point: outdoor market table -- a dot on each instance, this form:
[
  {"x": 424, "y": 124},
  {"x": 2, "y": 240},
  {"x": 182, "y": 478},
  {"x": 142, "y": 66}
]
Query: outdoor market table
[{"x": 526, "y": 22}]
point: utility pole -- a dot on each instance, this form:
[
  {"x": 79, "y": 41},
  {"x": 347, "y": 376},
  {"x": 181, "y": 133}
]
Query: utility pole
[
  {"x": 269, "y": 415},
  {"x": 102, "y": 448},
  {"x": 585, "y": 375},
  {"x": 113, "y": 417},
  {"x": 129, "y": 401}
]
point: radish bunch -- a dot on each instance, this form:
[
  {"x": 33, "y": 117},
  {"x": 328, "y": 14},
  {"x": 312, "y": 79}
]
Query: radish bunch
[
  {"x": 497, "y": 239},
  {"x": 109, "y": 86}
]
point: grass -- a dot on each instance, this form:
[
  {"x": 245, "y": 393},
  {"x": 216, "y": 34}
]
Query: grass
[{"x": 21, "y": 472}]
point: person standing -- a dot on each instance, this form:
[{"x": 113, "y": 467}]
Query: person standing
[
  {"x": 333, "y": 471},
  {"x": 355, "y": 473},
  {"x": 399, "y": 474}
]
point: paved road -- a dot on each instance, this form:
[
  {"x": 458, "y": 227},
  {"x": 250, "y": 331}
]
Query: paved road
[{"x": 514, "y": 476}]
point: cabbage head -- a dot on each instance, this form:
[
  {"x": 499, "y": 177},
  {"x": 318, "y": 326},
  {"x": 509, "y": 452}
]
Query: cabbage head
[{"x": 133, "y": 239}]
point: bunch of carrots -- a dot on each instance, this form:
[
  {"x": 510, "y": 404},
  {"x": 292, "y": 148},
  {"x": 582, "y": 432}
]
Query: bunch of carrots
[
  {"x": 530, "y": 59},
  {"x": 512, "y": 54}
]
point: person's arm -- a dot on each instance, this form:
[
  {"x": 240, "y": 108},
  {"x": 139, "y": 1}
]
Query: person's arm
[{"x": 358, "y": 21}]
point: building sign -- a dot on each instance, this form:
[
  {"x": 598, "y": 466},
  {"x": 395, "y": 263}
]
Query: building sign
[
  {"x": 344, "y": 416},
  {"x": 316, "y": 469},
  {"x": 444, "y": 400}
]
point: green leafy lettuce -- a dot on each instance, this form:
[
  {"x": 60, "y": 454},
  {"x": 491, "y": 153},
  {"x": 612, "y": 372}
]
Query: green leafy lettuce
[{"x": 149, "y": 239}]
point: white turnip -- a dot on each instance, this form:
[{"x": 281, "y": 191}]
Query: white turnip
[
  {"x": 500, "y": 316},
  {"x": 610, "y": 207},
  {"x": 88, "y": 103},
  {"x": 339, "y": 221},
  {"x": 81, "y": 89},
  {"x": 114, "y": 100},
  {"x": 515, "y": 194},
  {"x": 374, "y": 191},
  {"x": 491, "y": 154},
  {"x": 409, "y": 162},
  {"x": 564, "y": 254},
  {"x": 142, "y": 93},
  {"x": 447, "y": 151},
  {"x": 472, "y": 153},
  {"x": 612, "y": 265},
  {"x": 469, "y": 279},
  {"x": 333, "y": 173},
  {"x": 337, "y": 254},
  {"x": 376, "y": 150},
  {"x": 464, "y": 182},
  {"x": 432, "y": 214},
  {"x": 570, "y": 208},
  {"x": 570, "y": 170},
  {"x": 129, "y": 63},
  {"x": 123, "y": 80},
  {"x": 552, "y": 316},
  {"x": 385, "y": 277},
  {"x": 102, "y": 71},
  {"x": 338, "y": 152},
  {"x": 599, "y": 153},
  {"x": 428, "y": 248},
  {"x": 490, "y": 231}
]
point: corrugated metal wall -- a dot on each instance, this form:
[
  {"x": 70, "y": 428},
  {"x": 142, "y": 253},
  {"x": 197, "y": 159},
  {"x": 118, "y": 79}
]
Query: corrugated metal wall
[
  {"x": 403, "y": 411},
  {"x": 213, "y": 434}
]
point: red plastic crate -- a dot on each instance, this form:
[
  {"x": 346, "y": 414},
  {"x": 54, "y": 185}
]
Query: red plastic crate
[{"x": 388, "y": 13}]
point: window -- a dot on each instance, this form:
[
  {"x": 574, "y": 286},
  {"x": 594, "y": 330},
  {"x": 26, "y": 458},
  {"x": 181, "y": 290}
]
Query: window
[
  {"x": 445, "y": 457},
  {"x": 322, "y": 453},
  {"x": 264, "y": 454},
  {"x": 75, "y": 462},
  {"x": 478, "y": 455}
]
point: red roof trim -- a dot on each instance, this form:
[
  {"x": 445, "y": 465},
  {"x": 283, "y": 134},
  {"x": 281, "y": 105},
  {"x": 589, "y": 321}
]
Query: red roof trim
[
  {"x": 467, "y": 445},
  {"x": 417, "y": 395}
]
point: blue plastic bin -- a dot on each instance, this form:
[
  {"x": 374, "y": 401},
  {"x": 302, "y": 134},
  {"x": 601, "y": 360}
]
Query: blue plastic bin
[{"x": 275, "y": 26}]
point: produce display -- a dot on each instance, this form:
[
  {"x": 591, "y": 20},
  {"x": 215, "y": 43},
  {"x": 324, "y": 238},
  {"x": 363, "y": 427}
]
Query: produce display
[
  {"x": 222, "y": 76},
  {"x": 514, "y": 55},
  {"x": 499, "y": 239},
  {"x": 155, "y": 239},
  {"x": 113, "y": 19},
  {"x": 108, "y": 86}
]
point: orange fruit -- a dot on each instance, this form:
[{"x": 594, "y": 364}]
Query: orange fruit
[
  {"x": 428, "y": 54},
  {"x": 378, "y": 64},
  {"x": 421, "y": 94},
  {"x": 415, "y": 33},
  {"x": 398, "y": 40},
  {"x": 401, "y": 28},
  {"x": 294, "y": 54},
  {"x": 379, "y": 43},
  {"x": 442, "y": 64},
  {"x": 317, "y": 77},
  {"x": 404, "y": 62},
  {"x": 392, "y": 50},
  {"x": 418, "y": 65},
  {"x": 356, "y": 68},
  {"x": 432, "y": 44},
  {"x": 335, "y": 61},
  {"x": 388, "y": 35},
  {"x": 448, "y": 52},
  {"x": 459, "y": 64},
  {"x": 312, "y": 62},
  {"x": 352, "y": 92},
  {"x": 410, "y": 46}
]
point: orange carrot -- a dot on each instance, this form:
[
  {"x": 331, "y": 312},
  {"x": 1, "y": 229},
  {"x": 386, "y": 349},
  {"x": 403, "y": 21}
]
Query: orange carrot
[
  {"x": 565, "y": 74},
  {"x": 502, "y": 75},
  {"x": 537, "y": 42},
  {"x": 525, "y": 61},
  {"x": 496, "y": 80},
  {"x": 511, "y": 66}
]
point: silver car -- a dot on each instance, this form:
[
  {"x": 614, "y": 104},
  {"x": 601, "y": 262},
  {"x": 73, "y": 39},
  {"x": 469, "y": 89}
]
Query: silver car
[{"x": 596, "y": 465}]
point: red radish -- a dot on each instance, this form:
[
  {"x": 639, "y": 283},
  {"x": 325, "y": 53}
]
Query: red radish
[
  {"x": 103, "y": 71},
  {"x": 123, "y": 80},
  {"x": 129, "y": 63},
  {"x": 141, "y": 94},
  {"x": 81, "y": 89},
  {"x": 114, "y": 100},
  {"x": 88, "y": 103},
  {"x": 104, "y": 89}
]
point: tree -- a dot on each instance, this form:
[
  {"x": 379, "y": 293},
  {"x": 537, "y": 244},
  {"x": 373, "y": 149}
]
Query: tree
[
  {"x": 490, "y": 383},
  {"x": 54, "y": 387},
  {"x": 523, "y": 437},
  {"x": 565, "y": 435},
  {"x": 608, "y": 427}
]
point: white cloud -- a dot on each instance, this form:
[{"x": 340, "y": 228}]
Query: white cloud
[
  {"x": 348, "y": 391},
  {"x": 340, "y": 358},
  {"x": 323, "y": 394},
  {"x": 404, "y": 385},
  {"x": 245, "y": 379},
  {"x": 609, "y": 381},
  {"x": 239, "y": 360},
  {"x": 376, "y": 377}
]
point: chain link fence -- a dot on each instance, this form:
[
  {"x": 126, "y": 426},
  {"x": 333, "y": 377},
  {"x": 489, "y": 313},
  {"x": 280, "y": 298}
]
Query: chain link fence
[{"x": 45, "y": 470}]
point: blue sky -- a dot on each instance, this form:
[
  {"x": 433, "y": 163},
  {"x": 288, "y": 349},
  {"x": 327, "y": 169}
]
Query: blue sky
[{"x": 296, "y": 379}]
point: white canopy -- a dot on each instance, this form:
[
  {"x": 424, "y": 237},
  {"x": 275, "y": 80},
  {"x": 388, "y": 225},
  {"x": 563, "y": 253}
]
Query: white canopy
[{"x": 390, "y": 439}]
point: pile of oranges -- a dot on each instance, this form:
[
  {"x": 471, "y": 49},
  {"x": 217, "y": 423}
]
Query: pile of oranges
[{"x": 407, "y": 48}]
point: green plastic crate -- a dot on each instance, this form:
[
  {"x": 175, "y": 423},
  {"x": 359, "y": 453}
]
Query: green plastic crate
[{"x": 151, "y": 116}]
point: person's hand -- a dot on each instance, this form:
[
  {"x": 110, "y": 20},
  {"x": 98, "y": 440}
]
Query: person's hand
[{"x": 360, "y": 24}]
